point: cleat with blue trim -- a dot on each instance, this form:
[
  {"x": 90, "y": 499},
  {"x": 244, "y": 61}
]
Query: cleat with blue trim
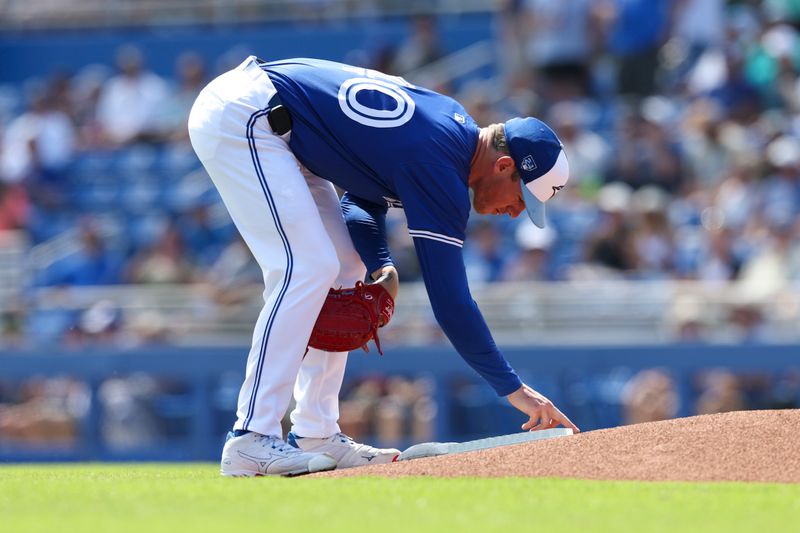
[{"x": 253, "y": 454}]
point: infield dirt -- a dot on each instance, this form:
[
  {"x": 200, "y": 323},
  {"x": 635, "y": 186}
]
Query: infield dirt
[{"x": 739, "y": 446}]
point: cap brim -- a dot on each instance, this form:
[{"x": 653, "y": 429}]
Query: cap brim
[{"x": 533, "y": 206}]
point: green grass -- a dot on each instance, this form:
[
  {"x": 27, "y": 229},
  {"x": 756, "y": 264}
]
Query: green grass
[{"x": 153, "y": 498}]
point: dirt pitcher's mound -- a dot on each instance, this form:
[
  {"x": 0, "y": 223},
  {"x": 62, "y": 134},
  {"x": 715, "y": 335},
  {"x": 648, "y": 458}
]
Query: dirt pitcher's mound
[{"x": 740, "y": 446}]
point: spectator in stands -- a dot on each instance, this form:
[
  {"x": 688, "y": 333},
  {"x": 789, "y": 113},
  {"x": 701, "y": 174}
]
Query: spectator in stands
[
  {"x": 130, "y": 102},
  {"x": 477, "y": 100},
  {"x": 645, "y": 154},
  {"x": 129, "y": 418},
  {"x": 736, "y": 197},
  {"x": 699, "y": 25},
  {"x": 60, "y": 94},
  {"x": 589, "y": 153},
  {"x": 719, "y": 264},
  {"x": 484, "y": 254},
  {"x": 650, "y": 396},
  {"x": 560, "y": 39},
  {"x": 609, "y": 247},
  {"x": 652, "y": 240},
  {"x": 510, "y": 35},
  {"x": 174, "y": 112},
  {"x": 87, "y": 92},
  {"x": 47, "y": 411},
  {"x": 93, "y": 263},
  {"x": 404, "y": 411},
  {"x": 635, "y": 29},
  {"x": 203, "y": 237},
  {"x": 165, "y": 261},
  {"x": 707, "y": 157},
  {"x": 746, "y": 324},
  {"x": 357, "y": 407},
  {"x": 235, "y": 276},
  {"x": 686, "y": 320},
  {"x": 737, "y": 95},
  {"x": 771, "y": 62},
  {"x": 531, "y": 262},
  {"x": 420, "y": 49},
  {"x": 391, "y": 409},
  {"x": 769, "y": 268},
  {"x": 38, "y": 147},
  {"x": 781, "y": 187},
  {"x": 720, "y": 392}
]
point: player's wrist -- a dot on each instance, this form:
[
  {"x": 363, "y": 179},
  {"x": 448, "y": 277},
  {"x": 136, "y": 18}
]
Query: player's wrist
[
  {"x": 517, "y": 394},
  {"x": 387, "y": 278}
]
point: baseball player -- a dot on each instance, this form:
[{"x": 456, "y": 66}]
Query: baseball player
[{"x": 275, "y": 137}]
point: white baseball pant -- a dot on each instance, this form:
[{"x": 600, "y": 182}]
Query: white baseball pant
[{"x": 293, "y": 225}]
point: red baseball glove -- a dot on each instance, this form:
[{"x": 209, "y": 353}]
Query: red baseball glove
[{"x": 351, "y": 317}]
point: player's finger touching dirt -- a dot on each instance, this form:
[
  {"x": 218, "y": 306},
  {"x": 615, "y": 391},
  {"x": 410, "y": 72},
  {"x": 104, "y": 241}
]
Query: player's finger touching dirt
[{"x": 539, "y": 409}]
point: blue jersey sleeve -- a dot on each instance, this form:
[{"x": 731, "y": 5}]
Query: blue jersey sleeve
[
  {"x": 458, "y": 314},
  {"x": 436, "y": 203},
  {"x": 366, "y": 223}
]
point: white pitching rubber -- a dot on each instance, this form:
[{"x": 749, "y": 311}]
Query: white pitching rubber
[{"x": 433, "y": 449}]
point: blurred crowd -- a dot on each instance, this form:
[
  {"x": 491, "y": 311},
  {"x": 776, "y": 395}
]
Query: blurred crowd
[
  {"x": 680, "y": 118},
  {"x": 138, "y": 411},
  {"x": 655, "y": 394},
  {"x": 680, "y": 121}
]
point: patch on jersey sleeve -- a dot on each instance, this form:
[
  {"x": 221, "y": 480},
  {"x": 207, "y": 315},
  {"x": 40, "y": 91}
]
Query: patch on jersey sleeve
[{"x": 459, "y": 118}]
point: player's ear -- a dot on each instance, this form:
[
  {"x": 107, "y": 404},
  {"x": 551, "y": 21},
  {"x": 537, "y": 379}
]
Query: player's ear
[{"x": 504, "y": 165}]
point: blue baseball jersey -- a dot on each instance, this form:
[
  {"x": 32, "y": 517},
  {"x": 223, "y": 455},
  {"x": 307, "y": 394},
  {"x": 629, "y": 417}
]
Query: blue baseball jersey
[{"x": 389, "y": 143}]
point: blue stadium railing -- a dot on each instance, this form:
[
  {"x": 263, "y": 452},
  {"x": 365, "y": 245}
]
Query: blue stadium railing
[{"x": 578, "y": 379}]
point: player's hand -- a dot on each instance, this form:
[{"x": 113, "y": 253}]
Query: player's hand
[
  {"x": 387, "y": 277},
  {"x": 539, "y": 409}
]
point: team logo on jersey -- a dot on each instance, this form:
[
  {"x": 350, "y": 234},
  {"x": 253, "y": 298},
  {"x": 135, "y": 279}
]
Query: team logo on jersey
[
  {"x": 459, "y": 118},
  {"x": 393, "y": 202},
  {"x": 528, "y": 163}
]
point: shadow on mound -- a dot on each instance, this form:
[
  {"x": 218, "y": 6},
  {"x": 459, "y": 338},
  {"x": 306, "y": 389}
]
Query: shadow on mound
[{"x": 739, "y": 446}]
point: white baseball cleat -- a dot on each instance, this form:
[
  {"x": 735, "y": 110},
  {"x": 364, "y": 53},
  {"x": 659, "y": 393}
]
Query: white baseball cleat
[
  {"x": 253, "y": 454},
  {"x": 347, "y": 452}
]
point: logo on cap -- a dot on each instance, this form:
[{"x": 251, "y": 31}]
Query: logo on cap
[{"x": 528, "y": 163}]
